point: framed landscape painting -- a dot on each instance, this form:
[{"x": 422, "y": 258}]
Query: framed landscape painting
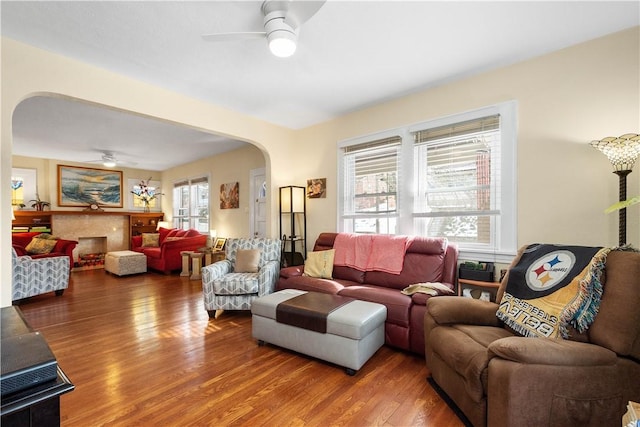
[{"x": 79, "y": 186}]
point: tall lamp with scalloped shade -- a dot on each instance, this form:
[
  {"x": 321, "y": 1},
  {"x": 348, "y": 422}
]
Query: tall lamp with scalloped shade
[{"x": 622, "y": 152}]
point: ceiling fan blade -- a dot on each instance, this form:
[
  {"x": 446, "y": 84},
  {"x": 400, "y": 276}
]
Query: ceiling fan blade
[
  {"x": 223, "y": 37},
  {"x": 301, "y": 11}
]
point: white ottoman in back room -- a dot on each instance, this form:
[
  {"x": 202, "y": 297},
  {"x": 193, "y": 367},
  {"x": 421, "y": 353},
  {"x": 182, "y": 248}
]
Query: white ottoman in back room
[
  {"x": 122, "y": 263},
  {"x": 354, "y": 330}
]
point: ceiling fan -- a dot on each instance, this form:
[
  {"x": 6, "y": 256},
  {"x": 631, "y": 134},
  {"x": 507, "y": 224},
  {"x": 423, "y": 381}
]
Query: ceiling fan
[
  {"x": 282, "y": 20},
  {"x": 109, "y": 160}
]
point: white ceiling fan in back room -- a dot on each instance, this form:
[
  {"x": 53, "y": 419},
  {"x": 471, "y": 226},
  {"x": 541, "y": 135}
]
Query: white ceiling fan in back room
[
  {"x": 109, "y": 160},
  {"x": 282, "y": 21}
]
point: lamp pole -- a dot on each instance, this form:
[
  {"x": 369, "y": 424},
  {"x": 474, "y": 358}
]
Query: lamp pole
[{"x": 622, "y": 214}]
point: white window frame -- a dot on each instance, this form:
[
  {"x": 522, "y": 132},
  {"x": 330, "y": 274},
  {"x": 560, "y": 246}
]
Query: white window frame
[
  {"x": 504, "y": 246},
  {"x": 191, "y": 217}
]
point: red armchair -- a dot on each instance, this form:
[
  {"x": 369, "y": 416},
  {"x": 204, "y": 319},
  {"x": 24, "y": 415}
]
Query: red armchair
[
  {"x": 165, "y": 257},
  {"x": 63, "y": 247}
]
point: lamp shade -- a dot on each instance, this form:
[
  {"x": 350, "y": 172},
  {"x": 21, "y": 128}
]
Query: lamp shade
[
  {"x": 163, "y": 224},
  {"x": 292, "y": 199},
  {"x": 622, "y": 151}
]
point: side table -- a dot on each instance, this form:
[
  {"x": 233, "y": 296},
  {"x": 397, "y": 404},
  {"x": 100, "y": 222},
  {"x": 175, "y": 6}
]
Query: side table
[
  {"x": 477, "y": 287},
  {"x": 186, "y": 260}
]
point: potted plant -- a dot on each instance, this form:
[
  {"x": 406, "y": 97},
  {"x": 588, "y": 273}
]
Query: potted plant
[{"x": 38, "y": 204}]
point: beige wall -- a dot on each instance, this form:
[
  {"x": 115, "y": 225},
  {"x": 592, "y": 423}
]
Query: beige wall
[
  {"x": 233, "y": 166},
  {"x": 565, "y": 99}
]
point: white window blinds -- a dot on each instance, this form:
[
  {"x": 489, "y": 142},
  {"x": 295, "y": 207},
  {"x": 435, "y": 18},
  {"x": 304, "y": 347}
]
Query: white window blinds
[
  {"x": 458, "y": 180},
  {"x": 371, "y": 174}
]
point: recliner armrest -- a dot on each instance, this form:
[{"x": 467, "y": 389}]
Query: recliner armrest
[
  {"x": 550, "y": 351},
  {"x": 293, "y": 271},
  {"x": 452, "y": 309}
]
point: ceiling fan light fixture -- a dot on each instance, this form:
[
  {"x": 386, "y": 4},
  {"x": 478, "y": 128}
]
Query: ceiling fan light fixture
[
  {"x": 282, "y": 44},
  {"x": 108, "y": 161},
  {"x": 281, "y": 37}
]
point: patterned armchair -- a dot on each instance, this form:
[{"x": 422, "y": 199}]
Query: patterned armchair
[
  {"x": 226, "y": 289},
  {"x": 35, "y": 276}
]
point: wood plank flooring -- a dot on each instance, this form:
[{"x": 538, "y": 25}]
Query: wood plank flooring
[{"x": 142, "y": 351}]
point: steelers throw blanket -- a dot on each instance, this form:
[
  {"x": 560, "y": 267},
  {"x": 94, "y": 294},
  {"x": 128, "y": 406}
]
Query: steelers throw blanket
[{"x": 551, "y": 287}]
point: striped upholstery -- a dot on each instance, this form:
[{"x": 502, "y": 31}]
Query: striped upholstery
[
  {"x": 226, "y": 290},
  {"x": 38, "y": 276}
]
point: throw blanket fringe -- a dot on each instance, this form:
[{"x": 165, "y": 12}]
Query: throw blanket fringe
[{"x": 583, "y": 310}]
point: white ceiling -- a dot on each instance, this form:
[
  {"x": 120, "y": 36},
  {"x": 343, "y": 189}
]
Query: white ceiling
[{"x": 351, "y": 54}]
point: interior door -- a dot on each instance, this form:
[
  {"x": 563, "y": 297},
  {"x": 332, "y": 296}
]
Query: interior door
[{"x": 259, "y": 203}]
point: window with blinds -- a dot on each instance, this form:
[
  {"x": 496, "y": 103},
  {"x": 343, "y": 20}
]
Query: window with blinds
[
  {"x": 191, "y": 204},
  {"x": 457, "y": 180},
  {"x": 450, "y": 177},
  {"x": 371, "y": 173}
]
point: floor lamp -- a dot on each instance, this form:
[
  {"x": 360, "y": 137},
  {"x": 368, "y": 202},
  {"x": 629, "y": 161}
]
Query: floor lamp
[{"x": 622, "y": 152}]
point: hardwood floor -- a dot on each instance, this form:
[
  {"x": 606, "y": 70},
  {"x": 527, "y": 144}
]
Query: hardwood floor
[{"x": 142, "y": 351}]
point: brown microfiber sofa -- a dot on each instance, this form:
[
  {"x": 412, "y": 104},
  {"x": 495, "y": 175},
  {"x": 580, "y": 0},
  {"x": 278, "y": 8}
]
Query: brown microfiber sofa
[
  {"x": 62, "y": 248},
  {"x": 166, "y": 256},
  {"x": 426, "y": 260},
  {"x": 498, "y": 378}
]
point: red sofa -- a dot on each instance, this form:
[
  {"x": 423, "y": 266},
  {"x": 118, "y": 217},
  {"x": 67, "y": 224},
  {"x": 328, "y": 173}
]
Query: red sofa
[
  {"x": 63, "y": 247},
  {"x": 166, "y": 256},
  {"x": 426, "y": 260}
]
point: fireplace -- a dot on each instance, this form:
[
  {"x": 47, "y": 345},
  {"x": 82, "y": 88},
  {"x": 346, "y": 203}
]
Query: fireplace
[{"x": 91, "y": 252}]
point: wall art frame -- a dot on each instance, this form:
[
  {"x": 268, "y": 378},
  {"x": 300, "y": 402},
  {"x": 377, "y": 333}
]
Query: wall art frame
[
  {"x": 230, "y": 195},
  {"x": 81, "y": 186},
  {"x": 317, "y": 188}
]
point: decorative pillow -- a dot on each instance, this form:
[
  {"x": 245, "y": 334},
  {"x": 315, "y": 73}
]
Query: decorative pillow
[
  {"x": 247, "y": 260},
  {"x": 150, "y": 240},
  {"x": 39, "y": 245},
  {"x": 173, "y": 238},
  {"x": 319, "y": 264},
  {"x": 163, "y": 232}
]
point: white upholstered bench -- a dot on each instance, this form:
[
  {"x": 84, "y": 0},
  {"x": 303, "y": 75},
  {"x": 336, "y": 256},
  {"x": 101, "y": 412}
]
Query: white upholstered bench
[
  {"x": 125, "y": 262},
  {"x": 354, "y": 331}
]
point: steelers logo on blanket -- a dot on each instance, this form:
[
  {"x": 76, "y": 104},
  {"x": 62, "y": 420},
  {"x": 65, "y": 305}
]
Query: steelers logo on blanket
[
  {"x": 542, "y": 285},
  {"x": 546, "y": 268}
]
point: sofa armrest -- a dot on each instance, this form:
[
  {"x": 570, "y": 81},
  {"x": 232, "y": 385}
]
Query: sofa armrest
[
  {"x": 293, "y": 271},
  {"x": 136, "y": 241},
  {"x": 215, "y": 271},
  {"x": 550, "y": 351},
  {"x": 453, "y": 309},
  {"x": 65, "y": 246},
  {"x": 20, "y": 250}
]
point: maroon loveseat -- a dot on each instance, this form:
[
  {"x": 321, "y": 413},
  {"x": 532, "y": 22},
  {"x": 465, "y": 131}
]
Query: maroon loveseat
[
  {"x": 165, "y": 257},
  {"x": 426, "y": 260},
  {"x": 62, "y": 248}
]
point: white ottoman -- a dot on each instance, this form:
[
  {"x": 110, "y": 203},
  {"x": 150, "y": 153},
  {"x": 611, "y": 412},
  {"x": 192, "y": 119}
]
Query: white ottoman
[
  {"x": 125, "y": 262},
  {"x": 355, "y": 331}
]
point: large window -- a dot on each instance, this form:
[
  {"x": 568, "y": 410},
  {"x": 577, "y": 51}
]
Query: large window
[
  {"x": 453, "y": 177},
  {"x": 191, "y": 204}
]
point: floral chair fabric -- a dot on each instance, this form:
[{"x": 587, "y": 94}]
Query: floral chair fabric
[
  {"x": 38, "y": 276},
  {"x": 224, "y": 289}
]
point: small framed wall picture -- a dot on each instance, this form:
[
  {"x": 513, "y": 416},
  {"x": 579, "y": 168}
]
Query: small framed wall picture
[
  {"x": 219, "y": 245},
  {"x": 317, "y": 188}
]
